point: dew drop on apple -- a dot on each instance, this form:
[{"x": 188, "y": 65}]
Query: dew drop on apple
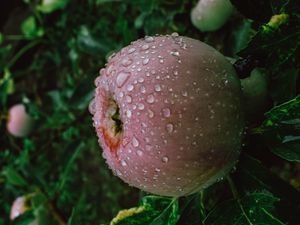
[
  {"x": 175, "y": 53},
  {"x": 157, "y": 87},
  {"x": 122, "y": 77},
  {"x": 140, "y": 80},
  {"x": 166, "y": 112},
  {"x": 92, "y": 107},
  {"x": 150, "y": 113},
  {"x": 145, "y": 47},
  {"x": 150, "y": 99},
  {"x": 123, "y": 163},
  {"x": 175, "y": 34},
  {"x": 135, "y": 142},
  {"x": 169, "y": 128},
  {"x": 143, "y": 89},
  {"x": 175, "y": 73},
  {"x": 126, "y": 62},
  {"x": 128, "y": 98},
  {"x": 131, "y": 50},
  {"x": 165, "y": 159},
  {"x": 130, "y": 87},
  {"x": 146, "y": 61},
  {"x": 139, "y": 152},
  {"x": 149, "y": 39},
  {"x": 128, "y": 113},
  {"x": 184, "y": 93},
  {"x": 141, "y": 106}
]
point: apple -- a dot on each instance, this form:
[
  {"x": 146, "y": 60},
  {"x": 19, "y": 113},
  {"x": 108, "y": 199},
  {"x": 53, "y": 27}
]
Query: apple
[
  {"x": 210, "y": 15},
  {"x": 20, "y": 206},
  {"x": 255, "y": 91},
  {"x": 167, "y": 111},
  {"x": 19, "y": 122}
]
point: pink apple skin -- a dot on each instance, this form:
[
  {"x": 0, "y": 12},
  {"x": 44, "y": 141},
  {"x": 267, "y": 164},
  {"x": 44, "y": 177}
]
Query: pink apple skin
[
  {"x": 19, "y": 123},
  {"x": 19, "y": 207},
  {"x": 179, "y": 102}
]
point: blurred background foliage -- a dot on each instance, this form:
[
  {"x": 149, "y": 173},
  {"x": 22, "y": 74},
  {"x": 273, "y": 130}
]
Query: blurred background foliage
[{"x": 50, "y": 54}]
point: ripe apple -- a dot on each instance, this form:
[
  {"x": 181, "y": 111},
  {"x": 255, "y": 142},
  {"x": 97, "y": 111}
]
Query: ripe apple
[{"x": 167, "y": 111}]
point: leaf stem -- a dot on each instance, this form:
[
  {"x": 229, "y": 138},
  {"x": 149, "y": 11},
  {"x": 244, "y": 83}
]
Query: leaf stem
[
  {"x": 21, "y": 52},
  {"x": 237, "y": 198}
]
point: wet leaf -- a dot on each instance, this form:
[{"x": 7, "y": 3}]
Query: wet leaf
[
  {"x": 254, "y": 209},
  {"x": 154, "y": 210},
  {"x": 281, "y": 130}
]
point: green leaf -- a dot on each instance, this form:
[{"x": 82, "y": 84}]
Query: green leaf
[
  {"x": 192, "y": 211},
  {"x": 254, "y": 208},
  {"x": 30, "y": 29},
  {"x": 13, "y": 177},
  {"x": 83, "y": 93},
  {"x": 261, "y": 10},
  {"x": 251, "y": 175},
  {"x": 276, "y": 44},
  {"x": 154, "y": 210},
  {"x": 1, "y": 38},
  {"x": 289, "y": 151},
  {"x": 49, "y": 6},
  {"x": 280, "y": 130}
]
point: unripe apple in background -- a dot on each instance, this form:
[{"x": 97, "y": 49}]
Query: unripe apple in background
[
  {"x": 210, "y": 15},
  {"x": 20, "y": 206},
  {"x": 19, "y": 123},
  {"x": 167, "y": 111},
  {"x": 255, "y": 91}
]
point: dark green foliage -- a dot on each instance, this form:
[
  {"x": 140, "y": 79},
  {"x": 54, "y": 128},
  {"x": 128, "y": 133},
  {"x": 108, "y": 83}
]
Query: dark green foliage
[{"x": 50, "y": 54}]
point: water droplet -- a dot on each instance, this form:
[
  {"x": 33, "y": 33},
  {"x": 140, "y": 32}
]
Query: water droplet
[
  {"x": 174, "y": 34},
  {"x": 122, "y": 78},
  {"x": 165, "y": 159},
  {"x": 166, "y": 112},
  {"x": 135, "y": 142},
  {"x": 126, "y": 62},
  {"x": 169, "y": 127},
  {"x": 150, "y": 99},
  {"x": 175, "y": 73},
  {"x": 157, "y": 87},
  {"x": 141, "y": 106},
  {"x": 184, "y": 93},
  {"x": 92, "y": 107},
  {"x": 128, "y": 98},
  {"x": 146, "y": 61},
  {"x": 145, "y": 47},
  {"x": 110, "y": 69},
  {"x": 143, "y": 89},
  {"x": 123, "y": 163},
  {"x": 102, "y": 71},
  {"x": 140, "y": 80},
  {"x": 149, "y": 39},
  {"x": 128, "y": 113},
  {"x": 130, "y": 87},
  {"x": 150, "y": 113},
  {"x": 131, "y": 50},
  {"x": 174, "y": 53},
  {"x": 139, "y": 152},
  {"x": 161, "y": 60},
  {"x": 97, "y": 81}
]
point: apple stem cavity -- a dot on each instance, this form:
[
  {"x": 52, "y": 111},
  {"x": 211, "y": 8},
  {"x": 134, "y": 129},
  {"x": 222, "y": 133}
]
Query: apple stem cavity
[{"x": 118, "y": 126}]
